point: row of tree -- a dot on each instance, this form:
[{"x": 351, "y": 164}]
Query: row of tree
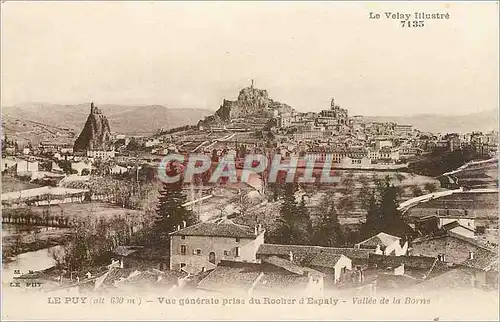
[
  {"x": 380, "y": 201},
  {"x": 92, "y": 238}
]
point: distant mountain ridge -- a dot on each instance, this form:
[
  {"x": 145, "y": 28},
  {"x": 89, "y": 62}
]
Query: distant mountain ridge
[
  {"x": 483, "y": 121},
  {"x": 146, "y": 119},
  {"x": 126, "y": 119}
]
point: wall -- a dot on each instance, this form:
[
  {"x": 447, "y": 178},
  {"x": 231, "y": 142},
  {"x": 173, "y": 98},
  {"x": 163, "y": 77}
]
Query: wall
[
  {"x": 248, "y": 249},
  {"x": 463, "y": 231},
  {"x": 26, "y": 167},
  {"x": 341, "y": 263},
  {"x": 396, "y": 247},
  {"x": 80, "y": 166},
  {"x": 466, "y": 222},
  {"x": 400, "y": 270},
  {"x": 314, "y": 286}
]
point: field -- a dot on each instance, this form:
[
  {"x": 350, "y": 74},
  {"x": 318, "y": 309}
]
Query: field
[
  {"x": 473, "y": 201},
  {"x": 81, "y": 210},
  {"x": 10, "y": 184}
]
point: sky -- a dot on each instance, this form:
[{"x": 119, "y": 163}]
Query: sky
[{"x": 194, "y": 55}]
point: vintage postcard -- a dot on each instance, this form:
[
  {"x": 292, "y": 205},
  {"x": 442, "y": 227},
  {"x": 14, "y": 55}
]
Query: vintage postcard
[{"x": 249, "y": 160}]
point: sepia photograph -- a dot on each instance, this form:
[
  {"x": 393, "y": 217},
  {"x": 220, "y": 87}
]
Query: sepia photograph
[{"x": 240, "y": 160}]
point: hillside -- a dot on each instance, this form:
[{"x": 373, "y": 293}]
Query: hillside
[
  {"x": 480, "y": 121},
  {"x": 122, "y": 118},
  {"x": 24, "y": 131}
]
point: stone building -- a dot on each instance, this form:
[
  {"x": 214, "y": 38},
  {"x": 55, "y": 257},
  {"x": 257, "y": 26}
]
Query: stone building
[
  {"x": 448, "y": 246},
  {"x": 202, "y": 246}
]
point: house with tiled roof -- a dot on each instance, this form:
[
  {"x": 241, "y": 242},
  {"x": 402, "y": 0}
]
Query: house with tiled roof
[
  {"x": 133, "y": 280},
  {"x": 274, "y": 276},
  {"x": 202, "y": 246},
  {"x": 484, "y": 266},
  {"x": 142, "y": 257},
  {"x": 335, "y": 263},
  {"x": 303, "y": 255},
  {"x": 448, "y": 246},
  {"x": 384, "y": 244},
  {"x": 451, "y": 280},
  {"x": 417, "y": 267}
]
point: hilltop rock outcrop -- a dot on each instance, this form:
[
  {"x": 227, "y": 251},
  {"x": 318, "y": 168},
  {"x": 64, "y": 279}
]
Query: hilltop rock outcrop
[
  {"x": 96, "y": 133},
  {"x": 251, "y": 102}
]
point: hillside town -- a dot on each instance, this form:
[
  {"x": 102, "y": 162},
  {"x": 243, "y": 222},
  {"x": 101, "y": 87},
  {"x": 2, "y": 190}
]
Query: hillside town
[{"x": 412, "y": 210}]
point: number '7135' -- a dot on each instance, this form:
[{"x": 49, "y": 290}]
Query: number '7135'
[{"x": 412, "y": 23}]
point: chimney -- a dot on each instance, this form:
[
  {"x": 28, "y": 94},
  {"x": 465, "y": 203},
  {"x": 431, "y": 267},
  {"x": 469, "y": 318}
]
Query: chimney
[
  {"x": 178, "y": 227},
  {"x": 183, "y": 224},
  {"x": 92, "y": 108},
  {"x": 255, "y": 230},
  {"x": 290, "y": 256},
  {"x": 471, "y": 255},
  {"x": 260, "y": 228}
]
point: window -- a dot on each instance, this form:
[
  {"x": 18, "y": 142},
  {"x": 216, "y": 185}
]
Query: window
[
  {"x": 183, "y": 249},
  {"x": 211, "y": 257},
  {"x": 198, "y": 252},
  {"x": 237, "y": 252},
  {"x": 237, "y": 240},
  {"x": 183, "y": 237},
  {"x": 226, "y": 253},
  {"x": 183, "y": 265}
]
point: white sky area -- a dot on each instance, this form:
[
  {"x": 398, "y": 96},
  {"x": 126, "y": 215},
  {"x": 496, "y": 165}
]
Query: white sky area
[{"x": 193, "y": 55}]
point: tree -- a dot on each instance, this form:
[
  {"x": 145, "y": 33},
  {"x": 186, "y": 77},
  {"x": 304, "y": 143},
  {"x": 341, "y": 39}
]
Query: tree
[
  {"x": 430, "y": 186},
  {"x": 399, "y": 176},
  {"x": 373, "y": 223},
  {"x": 364, "y": 192},
  {"x": 133, "y": 145},
  {"x": 416, "y": 190},
  {"x": 383, "y": 215},
  {"x": 346, "y": 203},
  {"x": 171, "y": 212},
  {"x": 329, "y": 231},
  {"x": 242, "y": 151},
  {"x": 215, "y": 157},
  {"x": 290, "y": 225},
  {"x": 304, "y": 223},
  {"x": 243, "y": 203}
]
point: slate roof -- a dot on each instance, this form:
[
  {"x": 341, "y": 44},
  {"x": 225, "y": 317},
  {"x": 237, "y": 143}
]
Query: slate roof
[
  {"x": 381, "y": 239},
  {"x": 220, "y": 228}
]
